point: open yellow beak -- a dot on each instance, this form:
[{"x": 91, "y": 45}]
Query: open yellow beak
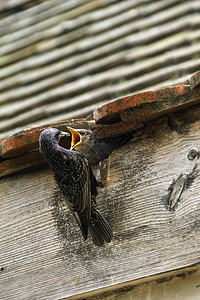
[{"x": 76, "y": 137}]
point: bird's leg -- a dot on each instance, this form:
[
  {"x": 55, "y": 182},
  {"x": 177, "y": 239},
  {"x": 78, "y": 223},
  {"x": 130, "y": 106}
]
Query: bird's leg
[
  {"x": 100, "y": 184},
  {"x": 103, "y": 181},
  {"x": 93, "y": 204}
]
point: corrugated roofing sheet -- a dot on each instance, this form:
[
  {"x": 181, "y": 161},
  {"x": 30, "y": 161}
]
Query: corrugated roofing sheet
[{"x": 61, "y": 59}]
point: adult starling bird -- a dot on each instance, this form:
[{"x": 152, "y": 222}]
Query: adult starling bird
[{"x": 77, "y": 183}]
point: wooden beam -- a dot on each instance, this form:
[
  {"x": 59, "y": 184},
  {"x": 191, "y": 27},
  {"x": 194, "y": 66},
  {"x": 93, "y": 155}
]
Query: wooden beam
[
  {"x": 42, "y": 252},
  {"x": 178, "y": 284}
]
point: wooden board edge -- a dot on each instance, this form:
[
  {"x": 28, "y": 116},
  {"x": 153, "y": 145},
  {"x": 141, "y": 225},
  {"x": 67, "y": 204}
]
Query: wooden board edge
[{"x": 161, "y": 277}]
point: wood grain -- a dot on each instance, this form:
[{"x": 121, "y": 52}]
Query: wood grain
[
  {"x": 177, "y": 286},
  {"x": 43, "y": 255}
]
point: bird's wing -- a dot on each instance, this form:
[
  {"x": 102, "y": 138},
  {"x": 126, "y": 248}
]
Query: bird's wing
[{"x": 76, "y": 186}]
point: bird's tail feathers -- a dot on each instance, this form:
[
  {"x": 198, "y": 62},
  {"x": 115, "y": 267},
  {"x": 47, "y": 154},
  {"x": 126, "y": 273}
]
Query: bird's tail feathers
[
  {"x": 97, "y": 239},
  {"x": 83, "y": 224},
  {"x": 99, "y": 228}
]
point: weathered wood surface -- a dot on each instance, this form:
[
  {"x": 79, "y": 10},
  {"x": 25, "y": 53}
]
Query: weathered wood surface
[
  {"x": 43, "y": 255},
  {"x": 183, "y": 286},
  {"x": 58, "y": 66}
]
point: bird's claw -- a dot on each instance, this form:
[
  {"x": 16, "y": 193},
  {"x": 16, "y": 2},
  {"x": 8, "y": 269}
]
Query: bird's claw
[{"x": 100, "y": 184}]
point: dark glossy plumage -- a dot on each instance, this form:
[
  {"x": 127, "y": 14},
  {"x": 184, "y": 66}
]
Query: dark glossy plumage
[{"x": 77, "y": 183}]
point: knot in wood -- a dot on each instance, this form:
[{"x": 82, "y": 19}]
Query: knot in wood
[{"x": 193, "y": 153}]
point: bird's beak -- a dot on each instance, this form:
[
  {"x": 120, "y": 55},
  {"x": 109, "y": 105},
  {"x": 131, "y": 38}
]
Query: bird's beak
[
  {"x": 76, "y": 137},
  {"x": 63, "y": 134}
]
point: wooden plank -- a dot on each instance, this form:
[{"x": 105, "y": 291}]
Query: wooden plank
[
  {"x": 175, "y": 286},
  {"x": 19, "y": 163},
  {"x": 43, "y": 255}
]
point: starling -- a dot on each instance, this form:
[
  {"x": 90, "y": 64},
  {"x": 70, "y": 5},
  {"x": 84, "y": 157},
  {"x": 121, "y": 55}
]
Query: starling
[
  {"x": 77, "y": 183},
  {"x": 96, "y": 151}
]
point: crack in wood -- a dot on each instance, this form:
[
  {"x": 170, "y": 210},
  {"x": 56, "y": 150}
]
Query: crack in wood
[
  {"x": 178, "y": 186},
  {"x": 176, "y": 190}
]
